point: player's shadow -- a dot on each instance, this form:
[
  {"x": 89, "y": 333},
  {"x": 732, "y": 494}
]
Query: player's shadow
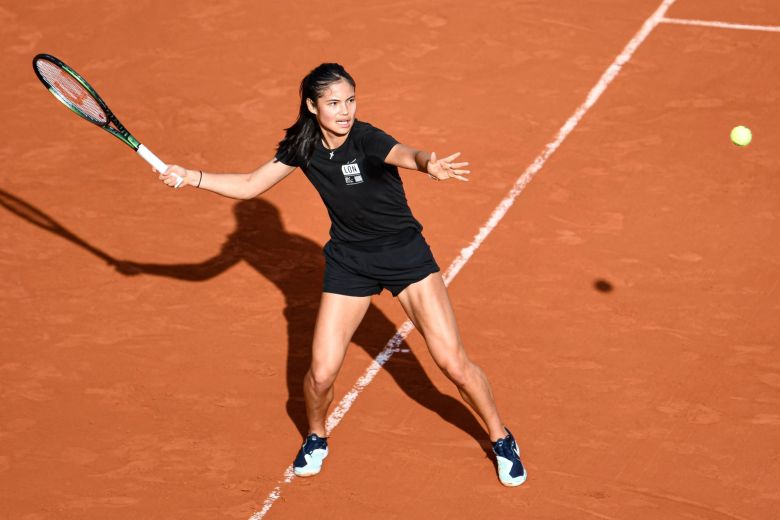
[{"x": 295, "y": 265}]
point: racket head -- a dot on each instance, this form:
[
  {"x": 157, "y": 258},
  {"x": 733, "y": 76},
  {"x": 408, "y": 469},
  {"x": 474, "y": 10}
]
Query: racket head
[
  {"x": 74, "y": 92},
  {"x": 71, "y": 89}
]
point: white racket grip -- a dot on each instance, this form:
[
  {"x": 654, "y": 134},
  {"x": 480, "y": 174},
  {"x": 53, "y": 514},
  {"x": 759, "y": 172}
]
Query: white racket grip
[{"x": 147, "y": 155}]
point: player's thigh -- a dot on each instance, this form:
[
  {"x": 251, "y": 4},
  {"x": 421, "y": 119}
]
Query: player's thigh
[
  {"x": 337, "y": 320},
  {"x": 428, "y": 306}
]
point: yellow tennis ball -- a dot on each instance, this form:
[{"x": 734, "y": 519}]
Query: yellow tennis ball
[{"x": 741, "y": 135}]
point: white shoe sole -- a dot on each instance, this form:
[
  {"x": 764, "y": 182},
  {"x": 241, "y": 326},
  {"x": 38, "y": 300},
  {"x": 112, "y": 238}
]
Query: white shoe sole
[
  {"x": 306, "y": 473},
  {"x": 515, "y": 484}
]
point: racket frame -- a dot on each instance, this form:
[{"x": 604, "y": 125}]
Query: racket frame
[{"x": 120, "y": 132}]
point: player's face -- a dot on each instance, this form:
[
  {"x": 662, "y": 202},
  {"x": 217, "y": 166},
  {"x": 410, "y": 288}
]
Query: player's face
[{"x": 335, "y": 109}]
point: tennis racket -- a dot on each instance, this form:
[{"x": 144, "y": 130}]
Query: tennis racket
[{"x": 74, "y": 92}]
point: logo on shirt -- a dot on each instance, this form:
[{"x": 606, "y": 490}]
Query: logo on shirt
[{"x": 351, "y": 172}]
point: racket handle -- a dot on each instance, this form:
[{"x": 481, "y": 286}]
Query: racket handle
[{"x": 147, "y": 155}]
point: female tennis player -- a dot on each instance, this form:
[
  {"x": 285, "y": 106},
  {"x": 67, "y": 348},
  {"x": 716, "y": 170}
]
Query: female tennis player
[{"x": 375, "y": 244}]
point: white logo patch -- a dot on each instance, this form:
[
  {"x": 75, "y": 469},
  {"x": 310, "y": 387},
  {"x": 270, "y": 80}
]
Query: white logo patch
[{"x": 351, "y": 173}]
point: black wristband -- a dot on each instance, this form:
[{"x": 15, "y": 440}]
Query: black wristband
[{"x": 200, "y": 178}]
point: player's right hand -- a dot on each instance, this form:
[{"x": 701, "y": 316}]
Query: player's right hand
[{"x": 169, "y": 176}]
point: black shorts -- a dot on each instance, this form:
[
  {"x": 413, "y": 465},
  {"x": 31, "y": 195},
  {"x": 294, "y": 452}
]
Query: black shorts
[{"x": 365, "y": 268}]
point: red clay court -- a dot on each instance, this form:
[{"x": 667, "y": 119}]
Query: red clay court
[{"x": 623, "y": 297}]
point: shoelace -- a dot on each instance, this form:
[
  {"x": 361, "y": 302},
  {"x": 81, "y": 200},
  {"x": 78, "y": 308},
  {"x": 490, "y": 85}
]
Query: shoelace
[{"x": 313, "y": 443}]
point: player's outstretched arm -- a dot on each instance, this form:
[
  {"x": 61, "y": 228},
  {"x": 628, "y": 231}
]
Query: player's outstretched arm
[
  {"x": 439, "y": 169},
  {"x": 233, "y": 185}
]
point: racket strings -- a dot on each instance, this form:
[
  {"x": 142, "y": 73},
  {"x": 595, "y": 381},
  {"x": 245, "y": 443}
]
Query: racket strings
[{"x": 71, "y": 91}]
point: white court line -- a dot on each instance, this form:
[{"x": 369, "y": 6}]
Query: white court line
[
  {"x": 495, "y": 217},
  {"x": 722, "y": 25}
]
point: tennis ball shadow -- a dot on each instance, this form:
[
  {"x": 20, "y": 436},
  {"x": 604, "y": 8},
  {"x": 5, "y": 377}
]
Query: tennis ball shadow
[{"x": 603, "y": 286}]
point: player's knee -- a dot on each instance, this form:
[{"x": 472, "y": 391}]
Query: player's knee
[
  {"x": 457, "y": 369},
  {"x": 322, "y": 378}
]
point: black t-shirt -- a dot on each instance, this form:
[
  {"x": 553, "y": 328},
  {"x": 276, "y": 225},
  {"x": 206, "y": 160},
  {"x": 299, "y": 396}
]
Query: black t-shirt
[{"x": 364, "y": 195}]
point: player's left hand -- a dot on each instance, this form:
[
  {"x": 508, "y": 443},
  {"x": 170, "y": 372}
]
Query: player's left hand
[{"x": 445, "y": 168}]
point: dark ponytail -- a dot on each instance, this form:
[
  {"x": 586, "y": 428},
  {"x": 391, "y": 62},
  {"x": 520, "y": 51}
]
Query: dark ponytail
[{"x": 300, "y": 138}]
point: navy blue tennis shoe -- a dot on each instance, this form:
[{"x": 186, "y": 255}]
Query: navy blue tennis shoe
[
  {"x": 510, "y": 469},
  {"x": 309, "y": 459}
]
